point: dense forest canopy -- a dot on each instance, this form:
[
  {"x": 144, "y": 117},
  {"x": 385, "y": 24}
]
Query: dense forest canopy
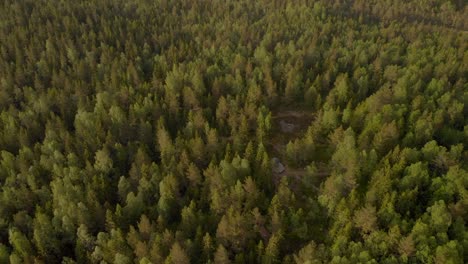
[{"x": 209, "y": 131}]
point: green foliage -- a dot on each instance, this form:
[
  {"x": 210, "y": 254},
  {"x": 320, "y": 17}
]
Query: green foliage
[{"x": 144, "y": 131}]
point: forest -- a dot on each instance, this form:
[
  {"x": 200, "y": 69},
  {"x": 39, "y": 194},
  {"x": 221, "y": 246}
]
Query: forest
[{"x": 222, "y": 131}]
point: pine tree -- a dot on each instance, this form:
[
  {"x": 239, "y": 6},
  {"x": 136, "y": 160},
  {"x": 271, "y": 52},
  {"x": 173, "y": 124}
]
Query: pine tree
[
  {"x": 177, "y": 255},
  {"x": 221, "y": 255}
]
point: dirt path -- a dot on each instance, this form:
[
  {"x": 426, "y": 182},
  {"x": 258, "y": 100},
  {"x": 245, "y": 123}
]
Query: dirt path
[{"x": 294, "y": 114}]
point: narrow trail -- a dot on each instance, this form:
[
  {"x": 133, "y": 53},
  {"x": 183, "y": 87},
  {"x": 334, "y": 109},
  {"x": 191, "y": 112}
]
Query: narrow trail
[{"x": 294, "y": 114}]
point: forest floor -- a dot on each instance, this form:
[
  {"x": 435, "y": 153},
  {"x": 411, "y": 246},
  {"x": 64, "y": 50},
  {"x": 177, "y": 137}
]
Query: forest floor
[{"x": 300, "y": 119}]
